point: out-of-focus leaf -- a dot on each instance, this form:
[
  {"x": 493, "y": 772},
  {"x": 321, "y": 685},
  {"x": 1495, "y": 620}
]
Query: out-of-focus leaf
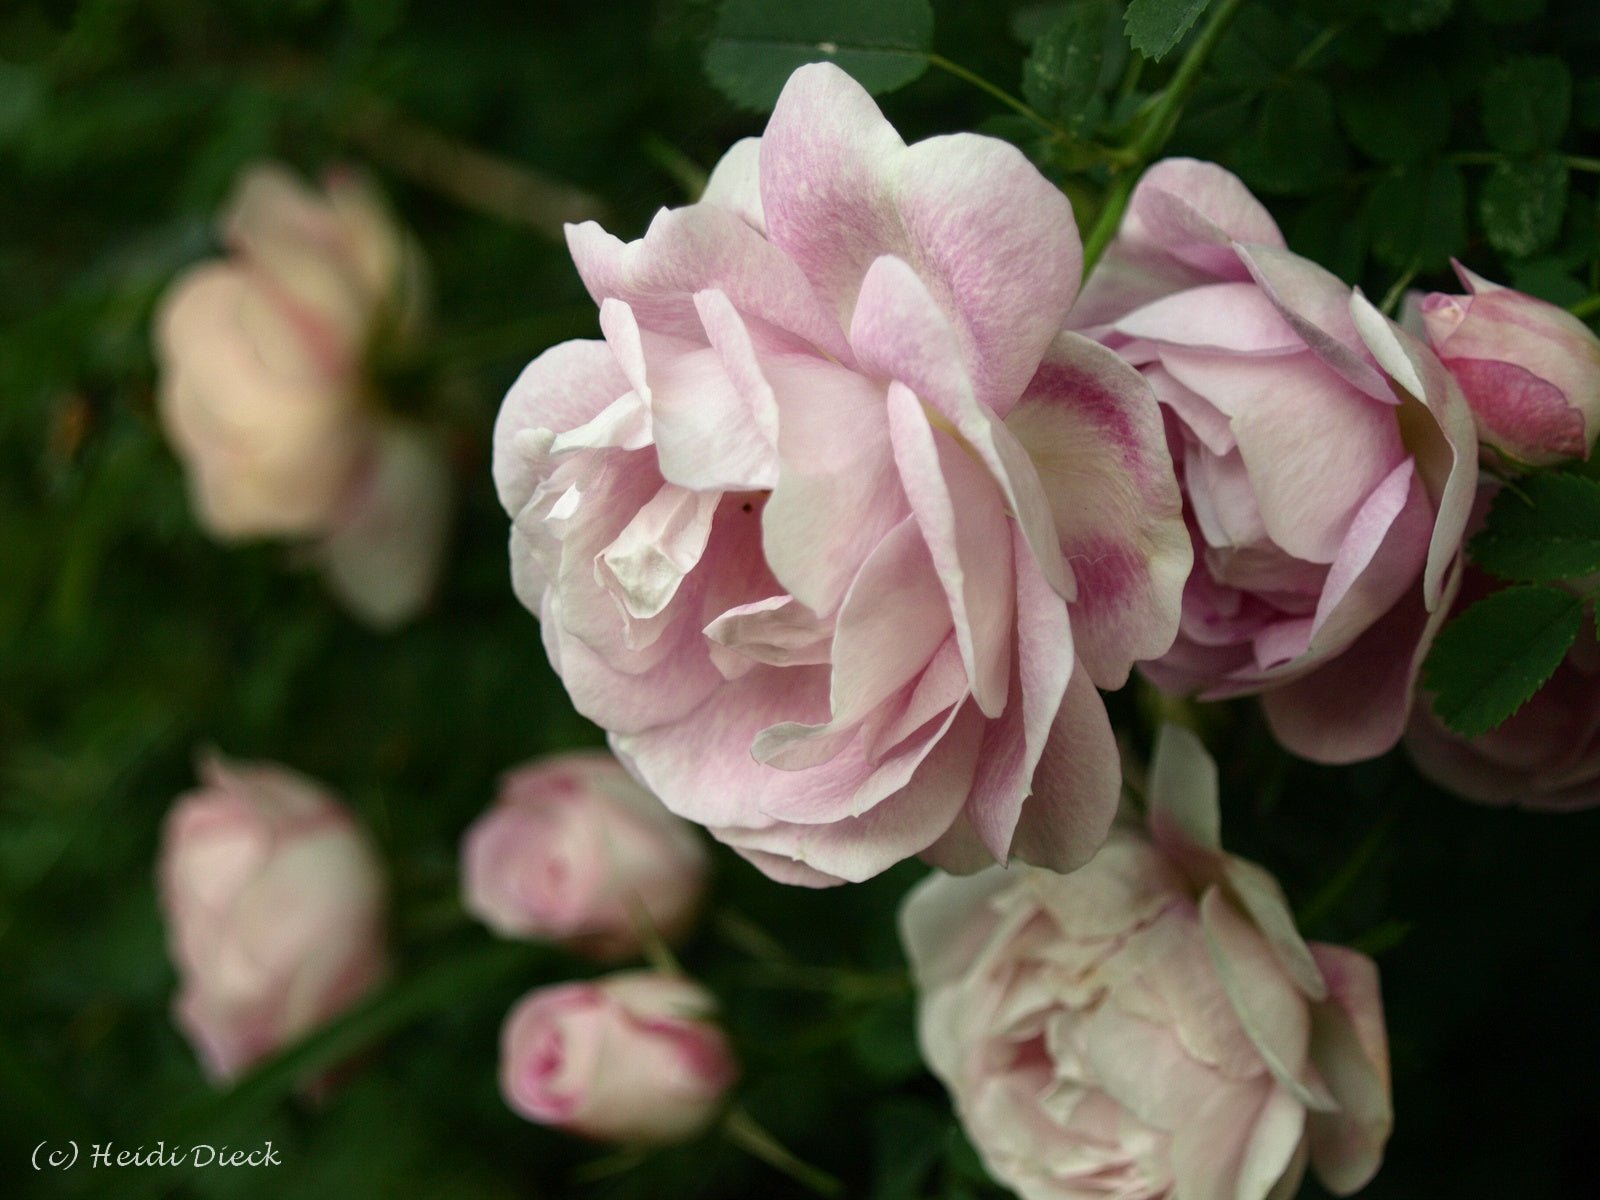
[
  {"x": 1075, "y": 61},
  {"x": 1397, "y": 115},
  {"x": 1522, "y": 203},
  {"x": 1295, "y": 146},
  {"x": 1526, "y": 104},
  {"x": 1418, "y": 216},
  {"x": 757, "y": 44}
]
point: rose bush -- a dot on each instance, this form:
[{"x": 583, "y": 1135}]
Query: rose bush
[
  {"x": 633, "y": 1057},
  {"x": 1529, "y": 370},
  {"x": 836, "y": 532},
  {"x": 576, "y": 851},
  {"x": 274, "y": 902},
  {"x": 1327, "y": 461},
  {"x": 1151, "y": 1025}
]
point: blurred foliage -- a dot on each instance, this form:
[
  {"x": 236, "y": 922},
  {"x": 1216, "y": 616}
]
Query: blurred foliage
[{"x": 1387, "y": 135}]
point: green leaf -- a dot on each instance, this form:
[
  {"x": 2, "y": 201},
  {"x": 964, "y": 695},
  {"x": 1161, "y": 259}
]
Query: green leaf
[
  {"x": 1294, "y": 147},
  {"x": 1546, "y": 529},
  {"x": 1258, "y": 47},
  {"x": 1414, "y": 16},
  {"x": 1522, "y": 204},
  {"x": 1327, "y": 232},
  {"x": 757, "y": 44},
  {"x": 1508, "y": 12},
  {"x": 1489, "y": 660},
  {"x": 1527, "y": 102},
  {"x": 1397, "y": 116},
  {"x": 1076, "y": 60},
  {"x": 1156, "y": 26},
  {"x": 1418, "y": 216}
]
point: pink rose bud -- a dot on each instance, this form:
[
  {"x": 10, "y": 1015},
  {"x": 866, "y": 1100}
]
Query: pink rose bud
[
  {"x": 274, "y": 903},
  {"x": 261, "y": 354},
  {"x": 1151, "y": 1025},
  {"x": 835, "y": 532},
  {"x": 575, "y": 851},
  {"x": 1530, "y": 370},
  {"x": 633, "y": 1057},
  {"x": 1326, "y": 457}
]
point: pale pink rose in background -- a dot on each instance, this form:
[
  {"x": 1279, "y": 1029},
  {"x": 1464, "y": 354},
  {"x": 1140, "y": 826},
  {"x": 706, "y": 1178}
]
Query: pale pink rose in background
[
  {"x": 836, "y": 532},
  {"x": 265, "y": 397},
  {"x": 1327, "y": 460},
  {"x": 382, "y": 553},
  {"x": 274, "y": 902},
  {"x": 1546, "y": 756},
  {"x": 575, "y": 851},
  {"x": 1530, "y": 370},
  {"x": 1151, "y": 1025},
  {"x": 634, "y": 1057}
]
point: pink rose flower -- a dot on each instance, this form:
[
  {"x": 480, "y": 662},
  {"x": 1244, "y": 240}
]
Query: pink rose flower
[
  {"x": 633, "y": 1057},
  {"x": 836, "y": 531},
  {"x": 1546, "y": 756},
  {"x": 274, "y": 902},
  {"x": 576, "y": 851},
  {"x": 1327, "y": 462},
  {"x": 264, "y": 393},
  {"x": 1530, "y": 370},
  {"x": 1151, "y": 1025}
]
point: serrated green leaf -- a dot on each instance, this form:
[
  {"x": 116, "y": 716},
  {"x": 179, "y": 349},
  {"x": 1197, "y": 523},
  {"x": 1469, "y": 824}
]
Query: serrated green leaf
[
  {"x": 1544, "y": 530},
  {"x": 1488, "y": 661},
  {"x": 1078, "y": 58},
  {"x": 1522, "y": 204},
  {"x": 1156, "y": 26},
  {"x": 1418, "y": 216},
  {"x": 1397, "y": 116},
  {"x": 1527, "y": 102},
  {"x": 757, "y": 44}
]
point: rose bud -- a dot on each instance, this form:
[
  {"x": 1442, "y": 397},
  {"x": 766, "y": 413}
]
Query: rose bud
[
  {"x": 262, "y": 391},
  {"x": 835, "y": 532},
  {"x": 575, "y": 851},
  {"x": 1327, "y": 462},
  {"x": 1530, "y": 370},
  {"x": 1151, "y": 1025},
  {"x": 274, "y": 902},
  {"x": 1546, "y": 756},
  {"x": 633, "y": 1057}
]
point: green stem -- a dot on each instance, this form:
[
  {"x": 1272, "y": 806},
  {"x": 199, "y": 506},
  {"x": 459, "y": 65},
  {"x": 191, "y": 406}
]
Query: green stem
[
  {"x": 1577, "y": 162},
  {"x": 1313, "y": 48},
  {"x": 1327, "y": 899},
  {"x": 999, "y": 93},
  {"x": 1586, "y": 308},
  {"x": 1155, "y": 130},
  {"x": 743, "y": 1131},
  {"x": 1391, "y": 298}
]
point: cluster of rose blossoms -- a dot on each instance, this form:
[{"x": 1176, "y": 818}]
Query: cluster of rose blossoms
[
  {"x": 837, "y": 532},
  {"x": 860, "y": 499}
]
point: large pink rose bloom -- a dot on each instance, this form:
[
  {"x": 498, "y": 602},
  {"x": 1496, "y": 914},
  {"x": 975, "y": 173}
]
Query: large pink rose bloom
[
  {"x": 1530, "y": 370},
  {"x": 274, "y": 903},
  {"x": 1327, "y": 462},
  {"x": 1152, "y": 1025},
  {"x": 836, "y": 531}
]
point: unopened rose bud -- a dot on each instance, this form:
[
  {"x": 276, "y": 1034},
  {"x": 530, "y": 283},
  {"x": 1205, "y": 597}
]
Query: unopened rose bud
[
  {"x": 1530, "y": 370},
  {"x": 576, "y": 851},
  {"x": 630, "y": 1058},
  {"x": 274, "y": 903}
]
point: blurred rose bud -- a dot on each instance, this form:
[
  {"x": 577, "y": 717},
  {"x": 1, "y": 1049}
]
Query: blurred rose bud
[
  {"x": 1546, "y": 756},
  {"x": 576, "y": 851},
  {"x": 274, "y": 903},
  {"x": 629, "y": 1058},
  {"x": 1150, "y": 1025},
  {"x": 262, "y": 354},
  {"x": 1530, "y": 370},
  {"x": 383, "y": 552}
]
